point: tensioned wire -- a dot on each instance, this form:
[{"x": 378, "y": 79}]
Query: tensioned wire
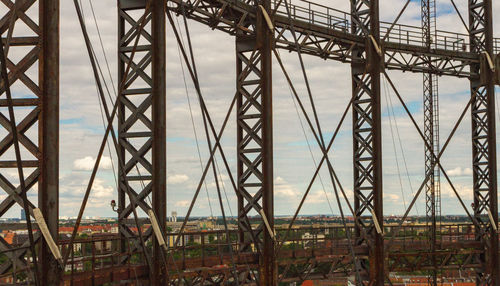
[
  {"x": 390, "y": 107},
  {"x": 192, "y": 118},
  {"x": 206, "y": 117},
  {"x": 104, "y": 81},
  {"x": 309, "y": 145},
  {"x": 101, "y": 93},
  {"x": 197, "y": 144},
  {"x": 389, "y": 111},
  {"x": 109, "y": 95},
  {"x": 194, "y": 128}
]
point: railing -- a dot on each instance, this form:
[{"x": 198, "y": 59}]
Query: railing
[
  {"x": 409, "y": 237},
  {"x": 98, "y": 258},
  {"x": 103, "y": 257},
  {"x": 209, "y": 248},
  {"x": 335, "y": 19},
  {"x": 315, "y": 14},
  {"x": 496, "y": 46}
]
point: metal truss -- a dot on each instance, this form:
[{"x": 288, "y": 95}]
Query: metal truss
[
  {"x": 321, "y": 258},
  {"x": 353, "y": 38},
  {"x": 484, "y": 142},
  {"x": 223, "y": 276},
  {"x": 424, "y": 261},
  {"x": 37, "y": 118},
  {"x": 329, "y": 264},
  {"x": 255, "y": 144},
  {"x": 332, "y": 37},
  {"x": 142, "y": 119},
  {"x": 431, "y": 131},
  {"x": 367, "y": 145},
  {"x": 316, "y": 268},
  {"x": 249, "y": 143}
]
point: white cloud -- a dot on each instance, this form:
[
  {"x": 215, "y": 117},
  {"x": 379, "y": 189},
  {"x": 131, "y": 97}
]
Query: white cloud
[
  {"x": 223, "y": 181},
  {"x": 393, "y": 198},
  {"x": 177, "y": 179},
  {"x": 459, "y": 172},
  {"x": 83, "y": 133},
  {"x": 183, "y": 203},
  {"x": 87, "y": 163},
  {"x": 99, "y": 190},
  {"x": 318, "y": 197},
  {"x": 279, "y": 180},
  {"x": 284, "y": 190},
  {"x": 73, "y": 188},
  {"x": 465, "y": 192}
]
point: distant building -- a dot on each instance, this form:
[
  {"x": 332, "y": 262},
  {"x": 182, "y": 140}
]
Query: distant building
[
  {"x": 23, "y": 214},
  {"x": 173, "y": 218},
  {"x": 310, "y": 239}
]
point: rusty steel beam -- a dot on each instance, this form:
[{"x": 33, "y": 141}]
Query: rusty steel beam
[
  {"x": 249, "y": 140},
  {"x": 142, "y": 120},
  {"x": 367, "y": 141},
  {"x": 48, "y": 195},
  {"x": 316, "y": 258},
  {"x": 484, "y": 141},
  {"x": 159, "y": 147},
  {"x": 121, "y": 116},
  {"x": 255, "y": 142},
  {"x": 265, "y": 39},
  {"x": 431, "y": 131},
  {"x": 136, "y": 126},
  {"x": 328, "y": 37},
  {"x": 41, "y": 57}
]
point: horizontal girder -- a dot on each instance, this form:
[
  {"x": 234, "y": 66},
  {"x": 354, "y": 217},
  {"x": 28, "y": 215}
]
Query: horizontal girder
[{"x": 325, "y": 32}]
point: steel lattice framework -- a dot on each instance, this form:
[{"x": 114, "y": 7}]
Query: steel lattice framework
[
  {"x": 37, "y": 74},
  {"x": 130, "y": 114},
  {"x": 142, "y": 117},
  {"x": 367, "y": 139},
  {"x": 259, "y": 26},
  {"x": 255, "y": 144},
  {"x": 484, "y": 141},
  {"x": 431, "y": 130}
]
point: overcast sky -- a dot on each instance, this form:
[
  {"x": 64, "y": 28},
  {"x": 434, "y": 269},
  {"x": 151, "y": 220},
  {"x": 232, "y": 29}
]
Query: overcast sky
[{"x": 82, "y": 127}]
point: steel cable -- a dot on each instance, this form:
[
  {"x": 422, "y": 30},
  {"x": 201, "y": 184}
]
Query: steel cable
[
  {"x": 108, "y": 129},
  {"x": 394, "y": 143},
  {"x": 192, "y": 119},
  {"x": 193, "y": 73},
  {"x": 109, "y": 96},
  {"x": 400, "y": 143}
]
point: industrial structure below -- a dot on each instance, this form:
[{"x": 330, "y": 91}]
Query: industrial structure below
[{"x": 362, "y": 250}]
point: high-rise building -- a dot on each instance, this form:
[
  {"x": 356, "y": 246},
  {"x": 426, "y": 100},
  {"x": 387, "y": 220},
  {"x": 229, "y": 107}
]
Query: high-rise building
[
  {"x": 174, "y": 216},
  {"x": 23, "y": 214}
]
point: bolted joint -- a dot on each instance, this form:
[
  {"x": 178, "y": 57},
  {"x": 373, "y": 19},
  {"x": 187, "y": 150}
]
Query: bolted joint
[
  {"x": 374, "y": 51},
  {"x": 497, "y": 70},
  {"x": 487, "y": 69},
  {"x": 269, "y": 22}
]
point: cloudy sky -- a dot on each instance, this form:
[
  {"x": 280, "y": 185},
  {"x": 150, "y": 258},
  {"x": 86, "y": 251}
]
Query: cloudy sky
[{"x": 82, "y": 125}]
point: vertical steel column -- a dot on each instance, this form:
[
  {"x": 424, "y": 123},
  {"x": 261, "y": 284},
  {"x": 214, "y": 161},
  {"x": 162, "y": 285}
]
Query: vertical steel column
[
  {"x": 367, "y": 141},
  {"x": 48, "y": 196},
  {"x": 484, "y": 140},
  {"x": 121, "y": 118},
  {"x": 159, "y": 131},
  {"x": 269, "y": 269},
  {"x": 255, "y": 141},
  {"x": 243, "y": 225},
  {"x": 142, "y": 118},
  {"x": 39, "y": 45},
  {"x": 431, "y": 131}
]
